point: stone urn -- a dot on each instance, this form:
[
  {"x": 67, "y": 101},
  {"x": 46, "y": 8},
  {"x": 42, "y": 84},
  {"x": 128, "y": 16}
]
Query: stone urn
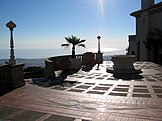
[
  {"x": 123, "y": 64},
  {"x": 123, "y": 61}
]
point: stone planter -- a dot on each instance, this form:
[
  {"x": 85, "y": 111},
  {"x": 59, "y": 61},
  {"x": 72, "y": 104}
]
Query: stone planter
[
  {"x": 123, "y": 67},
  {"x": 88, "y": 59},
  {"x": 64, "y": 63},
  {"x": 123, "y": 64},
  {"x": 75, "y": 63},
  {"x": 123, "y": 61}
]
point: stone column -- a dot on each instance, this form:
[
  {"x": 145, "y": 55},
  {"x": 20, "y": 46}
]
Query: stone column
[{"x": 13, "y": 75}]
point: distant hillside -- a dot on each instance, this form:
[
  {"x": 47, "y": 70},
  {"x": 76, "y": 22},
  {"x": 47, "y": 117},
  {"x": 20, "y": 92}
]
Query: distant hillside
[
  {"x": 39, "y": 62},
  {"x": 27, "y": 62}
]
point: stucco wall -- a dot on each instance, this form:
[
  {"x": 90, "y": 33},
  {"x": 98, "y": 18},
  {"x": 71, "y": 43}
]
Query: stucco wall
[{"x": 156, "y": 20}]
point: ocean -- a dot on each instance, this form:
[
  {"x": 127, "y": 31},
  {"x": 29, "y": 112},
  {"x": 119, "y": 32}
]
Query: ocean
[{"x": 36, "y": 57}]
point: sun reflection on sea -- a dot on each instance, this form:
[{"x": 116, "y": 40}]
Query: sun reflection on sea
[{"x": 103, "y": 49}]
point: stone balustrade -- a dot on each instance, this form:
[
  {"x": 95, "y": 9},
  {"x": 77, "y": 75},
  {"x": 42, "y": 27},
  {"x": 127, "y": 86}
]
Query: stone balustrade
[
  {"x": 65, "y": 62},
  {"x": 56, "y": 63}
]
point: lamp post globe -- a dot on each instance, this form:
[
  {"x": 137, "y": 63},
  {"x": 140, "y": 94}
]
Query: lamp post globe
[{"x": 11, "y": 25}]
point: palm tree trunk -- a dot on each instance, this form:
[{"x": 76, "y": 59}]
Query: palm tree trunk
[{"x": 73, "y": 52}]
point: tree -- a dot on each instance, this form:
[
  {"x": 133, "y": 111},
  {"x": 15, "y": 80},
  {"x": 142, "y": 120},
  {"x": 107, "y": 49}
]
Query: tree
[
  {"x": 74, "y": 41},
  {"x": 154, "y": 43}
]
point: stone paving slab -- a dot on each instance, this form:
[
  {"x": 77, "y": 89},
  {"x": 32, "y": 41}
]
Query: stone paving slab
[{"x": 89, "y": 96}]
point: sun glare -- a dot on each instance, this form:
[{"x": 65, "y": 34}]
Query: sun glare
[
  {"x": 103, "y": 49},
  {"x": 101, "y": 8}
]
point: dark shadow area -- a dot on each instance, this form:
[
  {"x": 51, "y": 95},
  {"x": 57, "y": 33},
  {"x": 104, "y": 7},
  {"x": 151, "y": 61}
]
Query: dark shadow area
[
  {"x": 98, "y": 65},
  {"x": 5, "y": 91},
  {"x": 33, "y": 72},
  {"x": 59, "y": 80},
  {"x": 127, "y": 76},
  {"x": 87, "y": 68}
]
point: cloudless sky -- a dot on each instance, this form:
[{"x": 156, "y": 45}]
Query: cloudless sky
[{"x": 43, "y": 24}]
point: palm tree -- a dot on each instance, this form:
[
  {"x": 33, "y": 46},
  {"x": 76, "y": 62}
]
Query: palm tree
[{"x": 74, "y": 41}]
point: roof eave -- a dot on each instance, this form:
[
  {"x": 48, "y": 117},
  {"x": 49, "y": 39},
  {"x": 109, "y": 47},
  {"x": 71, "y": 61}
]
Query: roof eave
[{"x": 138, "y": 13}]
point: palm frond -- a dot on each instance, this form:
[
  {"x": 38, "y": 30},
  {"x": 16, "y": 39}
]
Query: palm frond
[
  {"x": 74, "y": 41},
  {"x": 81, "y": 41},
  {"x": 83, "y": 45},
  {"x": 65, "y": 45}
]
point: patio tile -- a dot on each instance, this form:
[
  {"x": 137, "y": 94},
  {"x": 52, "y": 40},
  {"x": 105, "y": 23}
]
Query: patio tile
[
  {"x": 141, "y": 95},
  {"x": 76, "y": 90},
  {"x": 139, "y": 80},
  {"x": 83, "y": 86},
  {"x": 102, "y": 84},
  {"x": 113, "y": 79},
  {"x": 140, "y": 86},
  {"x": 157, "y": 90},
  {"x": 5, "y": 111},
  {"x": 59, "y": 88},
  {"x": 100, "y": 78},
  {"x": 59, "y": 118},
  {"x": 156, "y": 86},
  {"x": 96, "y": 92},
  {"x": 121, "y": 89},
  {"x": 101, "y": 88},
  {"x": 90, "y": 83},
  {"x": 141, "y": 90},
  {"x": 123, "y": 85},
  {"x": 159, "y": 96},
  {"x": 28, "y": 116},
  {"x": 118, "y": 94},
  {"x": 151, "y": 80}
]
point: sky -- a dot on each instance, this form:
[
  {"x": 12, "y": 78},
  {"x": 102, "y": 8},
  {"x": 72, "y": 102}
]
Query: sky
[{"x": 44, "y": 24}]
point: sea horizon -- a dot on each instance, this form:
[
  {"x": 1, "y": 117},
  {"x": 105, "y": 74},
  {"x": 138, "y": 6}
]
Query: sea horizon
[
  {"x": 36, "y": 57},
  {"x": 46, "y": 53}
]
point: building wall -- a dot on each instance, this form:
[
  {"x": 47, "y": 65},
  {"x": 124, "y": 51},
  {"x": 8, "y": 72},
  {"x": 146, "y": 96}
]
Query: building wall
[
  {"x": 132, "y": 45},
  {"x": 142, "y": 30},
  {"x": 156, "y": 20},
  {"x": 145, "y": 29},
  {"x": 146, "y": 21}
]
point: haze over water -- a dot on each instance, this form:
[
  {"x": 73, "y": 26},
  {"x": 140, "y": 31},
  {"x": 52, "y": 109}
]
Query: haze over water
[{"x": 45, "y": 53}]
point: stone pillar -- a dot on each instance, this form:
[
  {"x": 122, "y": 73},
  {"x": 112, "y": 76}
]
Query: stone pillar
[
  {"x": 49, "y": 70},
  {"x": 13, "y": 75},
  {"x": 3, "y": 83},
  {"x": 99, "y": 58}
]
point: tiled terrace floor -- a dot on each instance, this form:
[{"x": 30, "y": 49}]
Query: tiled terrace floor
[{"x": 88, "y": 96}]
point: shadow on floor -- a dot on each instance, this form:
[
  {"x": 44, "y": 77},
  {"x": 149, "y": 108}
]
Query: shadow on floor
[
  {"x": 5, "y": 91},
  {"x": 128, "y": 76},
  {"x": 87, "y": 68},
  {"x": 59, "y": 80}
]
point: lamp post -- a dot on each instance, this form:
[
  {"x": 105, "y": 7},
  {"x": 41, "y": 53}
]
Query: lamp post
[
  {"x": 98, "y": 54},
  {"x": 99, "y": 37},
  {"x": 11, "y": 25},
  {"x": 13, "y": 72}
]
